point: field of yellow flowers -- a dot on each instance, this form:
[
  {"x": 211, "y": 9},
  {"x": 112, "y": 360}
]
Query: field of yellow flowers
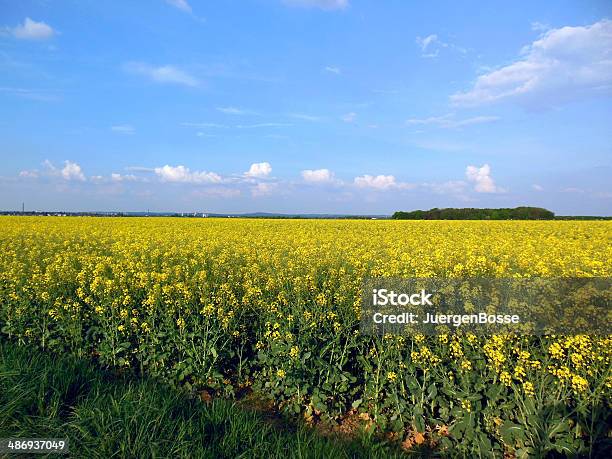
[{"x": 272, "y": 306}]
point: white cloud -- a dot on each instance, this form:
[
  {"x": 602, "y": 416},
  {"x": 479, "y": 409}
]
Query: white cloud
[
  {"x": 32, "y": 30},
  {"x": 318, "y": 176},
  {"x": 263, "y": 189},
  {"x": 32, "y": 94},
  {"x": 562, "y": 64},
  {"x": 332, "y": 69},
  {"x": 48, "y": 165},
  {"x": 539, "y": 26},
  {"x": 431, "y": 46},
  {"x": 180, "y": 4},
  {"x": 380, "y": 182},
  {"x": 259, "y": 170},
  {"x": 182, "y": 174},
  {"x": 123, "y": 178},
  {"x": 427, "y": 43},
  {"x": 204, "y": 125},
  {"x": 139, "y": 169},
  {"x": 537, "y": 187},
  {"x": 261, "y": 125},
  {"x": 302, "y": 116},
  {"x": 28, "y": 174},
  {"x": 323, "y": 4},
  {"x": 349, "y": 117},
  {"x": 449, "y": 121},
  {"x": 235, "y": 111},
  {"x": 72, "y": 171},
  {"x": 482, "y": 180},
  {"x": 163, "y": 74},
  {"x": 123, "y": 129}
]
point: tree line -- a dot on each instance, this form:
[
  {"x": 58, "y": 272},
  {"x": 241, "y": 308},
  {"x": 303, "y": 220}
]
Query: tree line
[{"x": 517, "y": 213}]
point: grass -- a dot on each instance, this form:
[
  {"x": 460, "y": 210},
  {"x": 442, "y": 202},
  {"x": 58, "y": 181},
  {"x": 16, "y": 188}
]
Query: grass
[{"x": 108, "y": 415}]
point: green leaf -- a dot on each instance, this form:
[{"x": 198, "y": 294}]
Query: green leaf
[{"x": 511, "y": 432}]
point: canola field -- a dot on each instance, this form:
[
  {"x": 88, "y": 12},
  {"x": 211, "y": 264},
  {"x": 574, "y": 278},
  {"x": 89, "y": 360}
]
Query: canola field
[{"x": 271, "y": 307}]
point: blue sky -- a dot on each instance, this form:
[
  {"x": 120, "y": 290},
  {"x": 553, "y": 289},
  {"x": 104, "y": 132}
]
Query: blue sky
[{"x": 316, "y": 106}]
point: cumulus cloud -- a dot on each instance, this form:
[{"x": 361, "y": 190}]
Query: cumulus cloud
[
  {"x": 123, "y": 129},
  {"x": 180, "y": 4},
  {"x": 259, "y": 170},
  {"x": 322, "y": 4},
  {"x": 482, "y": 180},
  {"x": 263, "y": 189},
  {"x": 332, "y": 69},
  {"x": 380, "y": 182},
  {"x": 32, "y": 30},
  {"x": 182, "y": 174},
  {"x": 318, "y": 176},
  {"x": 72, "y": 171},
  {"x": 537, "y": 187},
  {"x": 163, "y": 74},
  {"x": 562, "y": 64},
  {"x": 449, "y": 121}
]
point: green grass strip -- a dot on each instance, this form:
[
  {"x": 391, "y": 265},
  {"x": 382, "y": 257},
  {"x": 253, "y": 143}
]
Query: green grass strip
[{"x": 105, "y": 415}]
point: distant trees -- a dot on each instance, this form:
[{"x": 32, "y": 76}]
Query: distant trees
[{"x": 518, "y": 213}]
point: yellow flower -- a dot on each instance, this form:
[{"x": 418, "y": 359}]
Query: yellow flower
[
  {"x": 295, "y": 351},
  {"x": 579, "y": 384},
  {"x": 556, "y": 351}
]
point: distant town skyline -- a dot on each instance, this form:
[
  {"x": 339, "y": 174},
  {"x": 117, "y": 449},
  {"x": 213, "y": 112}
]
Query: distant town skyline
[{"x": 305, "y": 106}]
